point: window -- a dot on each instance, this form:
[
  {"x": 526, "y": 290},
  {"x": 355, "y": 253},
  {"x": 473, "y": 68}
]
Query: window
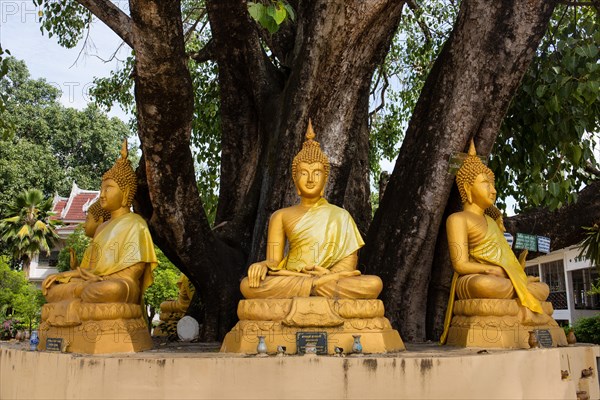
[
  {"x": 533, "y": 270},
  {"x": 582, "y": 283},
  {"x": 45, "y": 261},
  {"x": 553, "y": 274}
]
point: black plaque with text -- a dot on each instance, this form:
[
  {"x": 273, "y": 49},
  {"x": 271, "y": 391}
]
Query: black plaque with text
[
  {"x": 544, "y": 337},
  {"x": 319, "y": 339},
  {"x": 54, "y": 344}
]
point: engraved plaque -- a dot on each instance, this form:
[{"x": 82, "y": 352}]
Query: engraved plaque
[
  {"x": 54, "y": 344},
  {"x": 544, "y": 337},
  {"x": 318, "y": 339}
]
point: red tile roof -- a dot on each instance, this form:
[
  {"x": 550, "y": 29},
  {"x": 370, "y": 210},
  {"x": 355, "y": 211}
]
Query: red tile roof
[
  {"x": 72, "y": 210},
  {"x": 79, "y": 203}
]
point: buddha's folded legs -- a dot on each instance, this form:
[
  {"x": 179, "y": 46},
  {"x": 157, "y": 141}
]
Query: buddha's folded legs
[
  {"x": 65, "y": 291},
  {"x": 285, "y": 287},
  {"x": 539, "y": 290},
  {"x": 111, "y": 291},
  {"x": 278, "y": 287},
  {"x": 173, "y": 306},
  {"x": 479, "y": 286},
  {"x": 356, "y": 287}
]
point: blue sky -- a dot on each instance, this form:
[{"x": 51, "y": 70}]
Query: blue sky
[{"x": 64, "y": 68}]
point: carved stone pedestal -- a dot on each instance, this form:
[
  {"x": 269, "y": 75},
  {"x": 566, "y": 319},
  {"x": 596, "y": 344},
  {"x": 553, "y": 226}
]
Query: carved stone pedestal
[
  {"x": 102, "y": 328},
  {"x": 278, "y": 320},
  {"x": 500, "y": 323}
]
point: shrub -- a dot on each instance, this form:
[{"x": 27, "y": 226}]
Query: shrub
[{"x": 587, "y": 330}]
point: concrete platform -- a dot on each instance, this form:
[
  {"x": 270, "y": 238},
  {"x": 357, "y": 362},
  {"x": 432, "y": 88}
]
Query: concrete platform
[{"x": 191, "y": 372}]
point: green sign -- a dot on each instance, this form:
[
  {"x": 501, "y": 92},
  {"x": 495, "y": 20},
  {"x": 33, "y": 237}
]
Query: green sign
[{"x": 525, "y": 241}]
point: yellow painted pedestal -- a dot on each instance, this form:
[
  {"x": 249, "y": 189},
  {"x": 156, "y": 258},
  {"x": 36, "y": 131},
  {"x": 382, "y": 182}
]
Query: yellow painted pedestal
[
  {"x": 104, "y": 328},
  {"x": 279, "y": 320},
  {"x": 500, "y": 323}
]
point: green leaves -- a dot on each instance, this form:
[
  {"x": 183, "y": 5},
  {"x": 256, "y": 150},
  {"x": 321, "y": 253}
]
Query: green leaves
[
  {"x": 67, "y": 20},
  {"x": 29, "y": 229},
  {"x": 590, "y": 245},
  {"x": 271, "y": 14},
  {"x": 554, "y": 118}
]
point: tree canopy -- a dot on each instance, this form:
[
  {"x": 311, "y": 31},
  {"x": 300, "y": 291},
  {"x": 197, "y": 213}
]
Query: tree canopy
[{"x": 49, "y": 145}]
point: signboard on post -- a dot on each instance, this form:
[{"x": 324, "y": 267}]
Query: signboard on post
[
  {"x": 509, "y": 238},
  {"x": 543, "y": 244},
  {"x": 525, "y": 241}
]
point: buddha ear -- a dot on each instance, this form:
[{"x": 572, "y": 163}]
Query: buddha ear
[
  {"x": 124, "y": 202},
  {"x": 467, "y": 190},
  {"x": 100, "y": 220}
]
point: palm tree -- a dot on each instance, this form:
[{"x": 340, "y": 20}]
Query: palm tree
[{"x": 29, "y": 230}]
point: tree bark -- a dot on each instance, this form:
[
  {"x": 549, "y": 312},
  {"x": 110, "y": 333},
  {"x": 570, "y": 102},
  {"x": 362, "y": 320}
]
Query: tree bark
[
  {"x": 465, "y": 96},
  {"x": 164, "y": 99}
]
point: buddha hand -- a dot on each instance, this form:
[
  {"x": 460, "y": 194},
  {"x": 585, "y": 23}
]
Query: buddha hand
[
  {"x": 256, "y": 273},
  {"x": 47, "y": 283},
  {"x": 89, "y": 276},
  {"x": 334, "y": 277},
  {"x": 496, "y": 271}
]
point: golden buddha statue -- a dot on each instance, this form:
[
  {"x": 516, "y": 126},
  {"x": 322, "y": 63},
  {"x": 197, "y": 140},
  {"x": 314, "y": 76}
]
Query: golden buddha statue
[
  {"x": 171, "y": 311},
  {"x": 105, "y": 292},
  {"x": 318, "y": 273},
  {"x": 95, "y": 217},
  {"x": 492, "y": 288}
]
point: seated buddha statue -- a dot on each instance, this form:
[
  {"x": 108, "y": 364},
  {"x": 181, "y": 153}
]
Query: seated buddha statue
[
  {"x": 484, "y": 263},
  {"x": 116, "y": 267},
  {"x": 323, "y": 241},
  {"x": 309, "y": 280},
  {"x": 171, "y": 311}
]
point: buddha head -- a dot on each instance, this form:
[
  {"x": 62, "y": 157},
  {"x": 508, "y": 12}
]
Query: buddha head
[
  {"x": 119, "y": 183},
  {"x": 96, "y": 215},
  {"x": 475, "y": 181},
  {"x": 310, "y": 167}
]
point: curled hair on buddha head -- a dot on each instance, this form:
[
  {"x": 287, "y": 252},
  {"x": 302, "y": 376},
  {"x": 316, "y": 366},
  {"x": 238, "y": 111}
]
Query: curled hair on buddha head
[
  {"x": 97, "y": 211},
  {"x": 493, "y": 212},
  {"x": 468, "y": 172},
  {"x": 123, "y": 174},
  {"x": 310, "y": 153}
]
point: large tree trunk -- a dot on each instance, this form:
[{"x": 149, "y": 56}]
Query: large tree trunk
[
  {"x": 465, "y": 96},
  {"x": 164, "y": 98}
]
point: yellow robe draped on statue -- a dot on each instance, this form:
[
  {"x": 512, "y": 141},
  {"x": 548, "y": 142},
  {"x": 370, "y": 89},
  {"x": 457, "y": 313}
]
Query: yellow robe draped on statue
[
  {"x": 324, "y": 235},
  {"x": 495, "y": 250}
]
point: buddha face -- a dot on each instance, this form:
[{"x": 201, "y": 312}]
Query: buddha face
[
  {"x": 482, "y": 192},
  {"x": 90, "y": 225},
  {"x": 112, "y": 197},
  {"x": 310, "y": 179}
]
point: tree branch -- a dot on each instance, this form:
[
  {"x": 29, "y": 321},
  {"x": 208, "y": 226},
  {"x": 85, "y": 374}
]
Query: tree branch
[
  {"x": 112, "y": 16},
  {"x": 204, "y": 54},
  {"x": 415, "y": 8}
]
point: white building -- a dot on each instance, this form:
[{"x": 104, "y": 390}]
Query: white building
[
  {"x": 72, "y": 212},
  {"x": 569, "y": 277}
]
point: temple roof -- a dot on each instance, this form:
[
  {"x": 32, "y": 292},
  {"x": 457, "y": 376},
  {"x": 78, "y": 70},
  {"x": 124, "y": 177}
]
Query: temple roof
[{"x": 72, "y": 210}]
